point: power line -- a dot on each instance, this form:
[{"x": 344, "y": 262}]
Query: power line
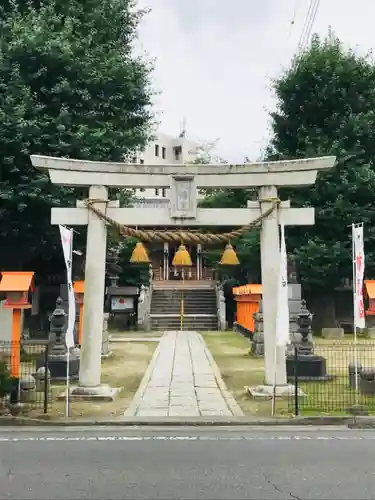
[
  {"x": 308, "y": 24},
  {"x": 305, "y": 23}
]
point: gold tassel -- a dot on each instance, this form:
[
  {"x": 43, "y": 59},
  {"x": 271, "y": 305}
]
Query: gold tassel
[
  {"x": 229, "y": 257},
  {"x": 182, "y": 257},
  {"x": 139, "y": 255}
]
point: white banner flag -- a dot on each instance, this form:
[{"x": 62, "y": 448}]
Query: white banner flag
[
  {"x": 282, "y": 318},
  {"x": 359, "y": 271},
  {"x": 67, "y": 245}
]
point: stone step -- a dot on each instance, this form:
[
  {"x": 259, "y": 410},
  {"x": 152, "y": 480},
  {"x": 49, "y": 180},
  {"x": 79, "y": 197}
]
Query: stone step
[
  {"x": 158, "y": 301},
  {"x": 189, "y": 302},
  {"x": 177, "y": 303},
  {"x": 178, "y": 293},
  {"x": 157, "y": 298},
  {"x": 187, "y": 284},
  {"x": 187, "y": 298},
  {"x": 199, "y": 305},
  {"x": 195, "y": 325},
  {"x": 187, "y": 310}
]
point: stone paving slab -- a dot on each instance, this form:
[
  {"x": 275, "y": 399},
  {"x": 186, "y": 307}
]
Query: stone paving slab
[
  {"x": 182, "y": 381},
  {"x": 119, "y": 339}
]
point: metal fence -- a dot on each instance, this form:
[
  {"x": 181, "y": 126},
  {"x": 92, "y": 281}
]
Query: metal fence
[
  {"x": 337, "y": 378},
  {"x": 24, "y": 377}
]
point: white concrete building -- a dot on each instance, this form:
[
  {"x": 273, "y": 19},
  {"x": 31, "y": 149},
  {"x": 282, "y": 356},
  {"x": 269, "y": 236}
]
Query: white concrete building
[{"x": 164, "y": 150}]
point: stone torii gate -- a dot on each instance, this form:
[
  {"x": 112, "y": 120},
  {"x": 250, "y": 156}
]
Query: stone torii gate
[{"x": 183, "y": 182}]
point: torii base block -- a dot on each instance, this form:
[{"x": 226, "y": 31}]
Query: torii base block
[
  {"x": 101, "y": 393},
  {"x": 268, "y": 391}
]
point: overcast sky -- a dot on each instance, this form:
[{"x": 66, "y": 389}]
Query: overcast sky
[{"x": 214, "y": 60}]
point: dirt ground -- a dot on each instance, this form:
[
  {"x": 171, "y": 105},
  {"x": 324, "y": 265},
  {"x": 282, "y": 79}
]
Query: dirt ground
[{"x": 123, "y": 369}]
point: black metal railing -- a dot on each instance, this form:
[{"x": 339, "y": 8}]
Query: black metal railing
[
  {"x": 24, "y": 377},
  {"x": 337, "y": 378}
]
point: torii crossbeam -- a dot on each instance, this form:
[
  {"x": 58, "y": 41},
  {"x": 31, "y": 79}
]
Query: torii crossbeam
[{"x": 183, "y": 181}]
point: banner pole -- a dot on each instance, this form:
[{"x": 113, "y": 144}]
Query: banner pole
[
  {"x": 67, "y": 400},
  {"x": 67, "y": 244},
  {"x": 355, "y": 314}
]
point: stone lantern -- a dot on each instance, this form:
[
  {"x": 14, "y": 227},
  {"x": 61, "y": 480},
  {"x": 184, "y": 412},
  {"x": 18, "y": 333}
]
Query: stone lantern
[
  {"x": 309, "y": 366},
  {"x": 58, "y": 352}
]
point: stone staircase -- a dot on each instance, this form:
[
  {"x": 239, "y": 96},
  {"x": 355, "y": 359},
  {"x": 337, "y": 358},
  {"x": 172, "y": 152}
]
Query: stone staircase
[{"x": 200, "y": 308}]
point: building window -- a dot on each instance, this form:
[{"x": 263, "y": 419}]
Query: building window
[
  {"x": 177, "y": 153},
  {"x": 164, "y": 192},
  {"x": 141, "y": 161},
  {"x": 156, "y": 149},
  {"x": 142, "y": 190},
  {"x": 156, "y": 191},
  {"x": 134, "y": 160},
  {"x": 163, "y": 153}
]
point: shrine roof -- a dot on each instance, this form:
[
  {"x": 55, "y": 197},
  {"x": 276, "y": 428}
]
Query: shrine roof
[
  {"x": 250, "y": 289},
  {"x": 16, "y": 281},
  {"x": 370, "y": 288}
]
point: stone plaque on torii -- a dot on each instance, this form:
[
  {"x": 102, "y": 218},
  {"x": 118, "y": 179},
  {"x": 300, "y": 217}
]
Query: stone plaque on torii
[{"x": 183, "y": 182}]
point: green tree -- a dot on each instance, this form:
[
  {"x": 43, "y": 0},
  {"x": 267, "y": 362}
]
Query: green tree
[
  {"x": 69, "y": 86},
  {"x": 326, "y": 106}
]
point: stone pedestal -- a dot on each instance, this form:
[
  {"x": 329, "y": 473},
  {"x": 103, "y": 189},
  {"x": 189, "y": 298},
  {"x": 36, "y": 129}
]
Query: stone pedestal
[
  {"x": 308, "y": 367},
  {"x": 102, "y": 392},
  {"x": 367, "y": 382},
  {"x": 294, "y": 302},
  {"x": 41, "y": 379},
  {"x": 257, "y": 344},
  {"x": 59, "y": 358},
  {"x": 354, "y": 372},
  {"x": 57, "y": 365},
  {"x": 301, "y": 361},
  {"x": 280, "y": 391}
]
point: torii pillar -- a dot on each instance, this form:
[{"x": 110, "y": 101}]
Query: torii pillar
[{"x": 183, "y": 181}]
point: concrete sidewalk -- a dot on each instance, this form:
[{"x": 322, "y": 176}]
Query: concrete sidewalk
[{"x": 182, "y": 381}]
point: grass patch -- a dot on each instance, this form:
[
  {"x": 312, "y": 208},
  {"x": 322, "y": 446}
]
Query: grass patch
[
  {"x": 336, "y": 396},
  {"x": 125, "y": 368},
  {"x": 239, "y": 369}
]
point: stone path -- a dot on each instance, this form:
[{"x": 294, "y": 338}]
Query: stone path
[{"x": 182, "y": 380}]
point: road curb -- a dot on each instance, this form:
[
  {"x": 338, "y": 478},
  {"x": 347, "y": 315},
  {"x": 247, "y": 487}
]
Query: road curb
[{"x": 357, "y": 423}]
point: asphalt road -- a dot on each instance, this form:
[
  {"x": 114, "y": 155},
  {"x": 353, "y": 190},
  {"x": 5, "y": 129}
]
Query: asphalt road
[{"x": 186, "y": 463}]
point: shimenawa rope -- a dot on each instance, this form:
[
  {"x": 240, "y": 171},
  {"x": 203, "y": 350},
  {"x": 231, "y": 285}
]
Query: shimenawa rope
[{"x": 182, "y": 235}]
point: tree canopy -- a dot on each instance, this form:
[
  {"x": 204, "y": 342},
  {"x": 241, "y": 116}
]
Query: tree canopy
[
  {"x": 325, "y": 106},
  {"x": 69, "y": 86}
]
